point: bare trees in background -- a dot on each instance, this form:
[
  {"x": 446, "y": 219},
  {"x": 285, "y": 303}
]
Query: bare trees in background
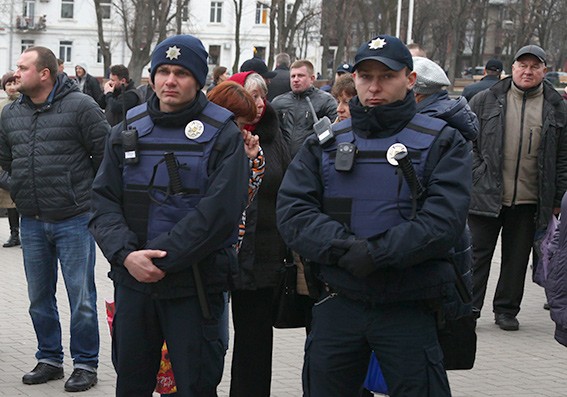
[
  {"x": 455, "y": 33},
  {"x": 293, "y": 26},
  {"x": 144, "y": 22}
]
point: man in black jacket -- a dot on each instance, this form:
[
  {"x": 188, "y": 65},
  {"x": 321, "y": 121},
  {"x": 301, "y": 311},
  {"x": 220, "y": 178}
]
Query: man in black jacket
[
  {"x": 279, "y": 84},
  {"x": 51, "y": 141},
  {"x": 519, "y": 177},
  {"x": 378, "y": 244},
  {"x": 167, "y": 204},
  {"x": 120, "y": 95},
  {"x": 294, "y": 113},
  {"x": 492, "y": 72}
]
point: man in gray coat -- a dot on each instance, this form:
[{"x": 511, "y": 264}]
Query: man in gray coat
[
  {"x": 294, "y": 113},
  {"x": 519, "y": 176}
]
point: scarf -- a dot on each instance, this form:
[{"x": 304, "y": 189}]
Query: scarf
[
  {"x": 382, "y": 121},
  {"x": 180, "y": 118}
]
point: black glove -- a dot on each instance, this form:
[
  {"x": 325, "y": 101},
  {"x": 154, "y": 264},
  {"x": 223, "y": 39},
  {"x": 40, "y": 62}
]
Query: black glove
[{"x": 356, "y": 259}]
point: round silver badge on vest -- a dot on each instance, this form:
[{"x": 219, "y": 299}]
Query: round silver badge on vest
[
  {"x": 194, "y": 129},
  {"x": 393, "y": 150}
]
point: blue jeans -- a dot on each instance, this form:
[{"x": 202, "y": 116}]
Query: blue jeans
[{"x": 70, "y": 242}]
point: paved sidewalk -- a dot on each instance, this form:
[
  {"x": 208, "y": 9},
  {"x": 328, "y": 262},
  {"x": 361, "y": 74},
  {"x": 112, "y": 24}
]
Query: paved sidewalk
[{"x": 509, "y": 364}]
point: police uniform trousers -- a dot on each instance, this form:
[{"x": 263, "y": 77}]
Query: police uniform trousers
[
  {"x": 196, "y": 346},
  {"x": 518, "y": 229},
  {"x": 403, "y": 335}
]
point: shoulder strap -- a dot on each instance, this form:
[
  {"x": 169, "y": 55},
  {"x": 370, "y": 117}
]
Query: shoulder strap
[{"x": 426, "y": 125}]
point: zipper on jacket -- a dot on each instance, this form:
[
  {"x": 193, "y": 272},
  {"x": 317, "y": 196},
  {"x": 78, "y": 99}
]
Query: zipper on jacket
[
  {"x": 530, "y": 142},
  {"x": 517, "y": 173}
]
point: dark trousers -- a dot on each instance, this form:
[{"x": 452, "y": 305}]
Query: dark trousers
[
  {"x": 344, "y": 332},
  {"x": 196, "y": 347},
  {"x": 251, "y": 371},
  {"x": 13, "y": 220},
  {"x": 518, "y": 227}
]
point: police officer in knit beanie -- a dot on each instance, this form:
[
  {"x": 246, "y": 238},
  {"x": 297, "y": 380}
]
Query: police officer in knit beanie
[
  {"x": 430, "y": 77},
  {"x": 183, "y": 50},
  {"x": 179, "y": 183}
]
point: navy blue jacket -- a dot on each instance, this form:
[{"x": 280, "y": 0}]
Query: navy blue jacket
[
  {"x": 405, "y": 253},
  {"x": 196, "y": 238},
  {"x": 456, "y": 112}
]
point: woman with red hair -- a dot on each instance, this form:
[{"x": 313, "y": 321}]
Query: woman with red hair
[{"x": 261, "y": 255}]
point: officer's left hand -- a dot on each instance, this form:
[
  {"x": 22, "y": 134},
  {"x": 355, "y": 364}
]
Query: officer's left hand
[{"x": 357, "y": 259}]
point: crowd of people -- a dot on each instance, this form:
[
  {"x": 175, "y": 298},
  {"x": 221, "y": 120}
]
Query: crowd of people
[{"x": 385, "y": 193}]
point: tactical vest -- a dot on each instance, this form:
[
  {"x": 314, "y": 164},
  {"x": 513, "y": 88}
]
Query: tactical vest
[
  {"x": 371, "y": 198},
  {"x": 151, "y": 206}
]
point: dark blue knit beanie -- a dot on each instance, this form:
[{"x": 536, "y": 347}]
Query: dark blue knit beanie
[{"x": 183, "y": 50}]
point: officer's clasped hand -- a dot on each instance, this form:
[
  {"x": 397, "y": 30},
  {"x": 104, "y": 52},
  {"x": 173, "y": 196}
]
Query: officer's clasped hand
[{"x": 356, "y": 259}]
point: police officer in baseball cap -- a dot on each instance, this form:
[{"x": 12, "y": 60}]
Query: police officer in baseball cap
[{"x": 378, "y": 252}]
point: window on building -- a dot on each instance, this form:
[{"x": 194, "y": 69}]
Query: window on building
[
  {"x": 29, "y": 9},
  {"x": 27, "y": 44},
  {"x": 216, "y": 12},
  {"x": 214, "y": 54},
  {"x": 105, "y": 7},
  {"x": 67, "y": 7},
  {"x": 99, "y": 57},
  {"x": 261, "y": 13},
  {"x": 65, "y": 48}
]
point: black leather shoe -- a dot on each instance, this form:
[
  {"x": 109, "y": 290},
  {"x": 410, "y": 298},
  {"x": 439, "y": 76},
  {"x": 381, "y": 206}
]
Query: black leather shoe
[
  {"x": 81, "y": 380},
  {"x": 13, "y": 241},
  {"x": 42, "y": 373},
  {"x": 506, "y": 321}
]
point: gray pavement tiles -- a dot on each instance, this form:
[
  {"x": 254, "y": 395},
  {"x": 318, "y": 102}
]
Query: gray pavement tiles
[{"x": 527, "y": 362}]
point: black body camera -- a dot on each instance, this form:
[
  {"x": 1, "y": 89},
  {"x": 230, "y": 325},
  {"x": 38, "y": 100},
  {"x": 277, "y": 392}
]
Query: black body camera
[
  {"x": 130, "y": 145},
  {"x": 346, "y": 153}
]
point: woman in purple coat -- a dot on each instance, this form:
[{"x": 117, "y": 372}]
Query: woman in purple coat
[{"x": 556, "y": 283}]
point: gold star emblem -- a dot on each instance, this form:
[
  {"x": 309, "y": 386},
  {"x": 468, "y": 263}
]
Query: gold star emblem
[
  {"x": 377, "y": 43},
  {"x": 173, "y": 53}
]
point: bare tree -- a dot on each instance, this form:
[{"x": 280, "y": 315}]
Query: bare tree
[
  {"x": 144, "y": 23},
  {"x": 274, "y": 6},
  {"x": 103, "y": 45},
  {"x": 305, "y": 29},
  {"x": 238, "y": 18}
]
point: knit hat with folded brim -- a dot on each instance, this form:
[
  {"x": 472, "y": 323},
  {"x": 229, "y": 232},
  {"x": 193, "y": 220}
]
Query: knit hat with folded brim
[
  {"x": 431, "y": 78},
  {"x": 184, "y": 50}
]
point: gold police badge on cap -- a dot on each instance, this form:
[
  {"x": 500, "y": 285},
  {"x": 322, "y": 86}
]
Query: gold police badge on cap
[
  {"x": 194, "y": 129},
  {"x": 393, "y": 150}
]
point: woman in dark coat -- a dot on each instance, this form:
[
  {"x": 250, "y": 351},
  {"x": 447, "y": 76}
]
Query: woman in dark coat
[{"x": 260, "y": 257}]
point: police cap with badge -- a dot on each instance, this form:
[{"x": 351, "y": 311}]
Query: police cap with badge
[
  {"x": 386, "y": 49},
  {"x": 393, "y": 53}
]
